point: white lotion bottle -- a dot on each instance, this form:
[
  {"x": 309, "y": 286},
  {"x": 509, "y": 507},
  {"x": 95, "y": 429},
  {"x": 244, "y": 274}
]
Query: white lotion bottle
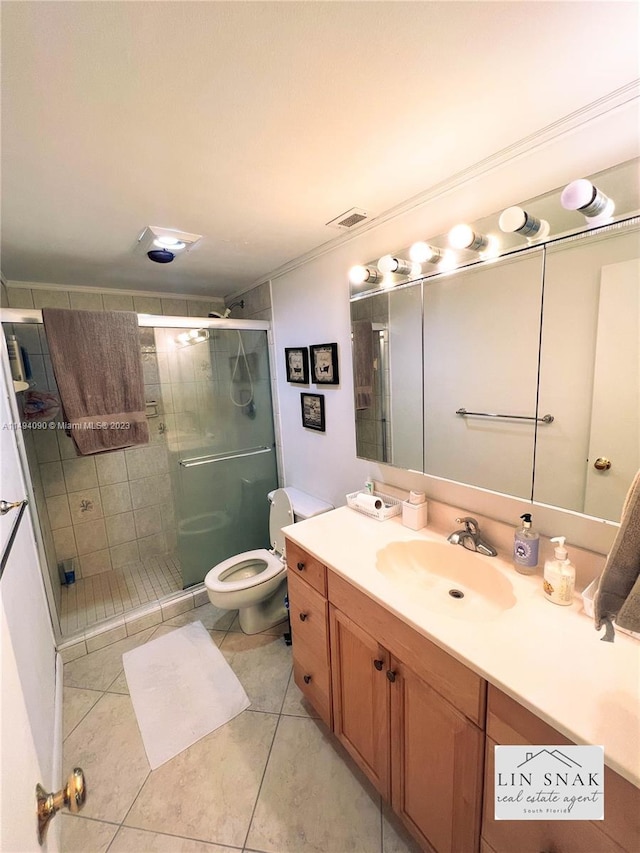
[{"x": 559, "y": 576}]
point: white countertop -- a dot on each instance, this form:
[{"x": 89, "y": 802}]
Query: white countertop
[{"x": 547, "y": 657}]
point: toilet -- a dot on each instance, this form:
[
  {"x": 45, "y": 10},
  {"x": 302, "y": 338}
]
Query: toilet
[{"x": 254, "y": 582}]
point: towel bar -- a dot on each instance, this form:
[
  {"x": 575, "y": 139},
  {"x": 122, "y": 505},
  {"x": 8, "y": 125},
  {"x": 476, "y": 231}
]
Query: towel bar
[
  {"x": 222, "y": 457},
  {"x": 545, "y": 419}
]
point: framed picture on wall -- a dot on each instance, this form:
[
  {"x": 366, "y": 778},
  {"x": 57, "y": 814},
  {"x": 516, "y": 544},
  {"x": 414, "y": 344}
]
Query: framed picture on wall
[
  {"x": 312, "y": 411},
  {"x": 324, "y": 364},
  {"x": 297, "y": 359}
]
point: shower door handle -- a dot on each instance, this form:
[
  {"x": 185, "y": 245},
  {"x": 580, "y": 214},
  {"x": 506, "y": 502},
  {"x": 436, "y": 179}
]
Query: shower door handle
[
  {"x": 223, "y": 457},
  {"x": 5, "y": 507}
]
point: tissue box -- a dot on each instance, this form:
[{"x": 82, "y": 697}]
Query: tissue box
[
  {"x": 414, "y": 516},
  {"x": 587, "y": 604}
]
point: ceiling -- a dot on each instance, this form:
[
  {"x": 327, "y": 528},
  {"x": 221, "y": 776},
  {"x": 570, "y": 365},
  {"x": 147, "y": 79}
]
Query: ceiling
[{"x": 254, "y": 124}]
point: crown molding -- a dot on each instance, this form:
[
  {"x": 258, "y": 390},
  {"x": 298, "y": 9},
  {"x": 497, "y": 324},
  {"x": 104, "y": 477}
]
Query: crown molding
[
  {"x": 567, "y": 124},
  {"x": 111, "y": 291}
]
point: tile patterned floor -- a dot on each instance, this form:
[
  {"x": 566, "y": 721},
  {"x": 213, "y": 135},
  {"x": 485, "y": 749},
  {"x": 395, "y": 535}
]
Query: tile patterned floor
[
  {"x": 273, "y": 780},
  {"x": 90, "y": 600}
]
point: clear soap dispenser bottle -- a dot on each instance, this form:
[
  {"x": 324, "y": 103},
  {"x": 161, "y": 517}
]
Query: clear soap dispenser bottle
[
  {"x": 559, "y": 576},
  {"x": 525, "y": 547}
]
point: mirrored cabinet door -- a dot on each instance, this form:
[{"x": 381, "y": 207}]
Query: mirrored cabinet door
[
  {"x": 481, "y": 340},
  {"x": 590, "y": 372},
  {"x": 387, "y": 368}
]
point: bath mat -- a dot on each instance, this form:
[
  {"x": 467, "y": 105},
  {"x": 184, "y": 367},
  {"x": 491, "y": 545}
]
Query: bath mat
[{"x": 182, "y": 689}]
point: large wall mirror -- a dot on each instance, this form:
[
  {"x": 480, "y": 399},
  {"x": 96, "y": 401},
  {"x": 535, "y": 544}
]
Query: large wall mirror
[{"x": 520, "y": 373}]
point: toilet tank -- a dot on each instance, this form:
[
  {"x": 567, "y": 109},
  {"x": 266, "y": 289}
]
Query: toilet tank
[{"x": 304, "y": 505}]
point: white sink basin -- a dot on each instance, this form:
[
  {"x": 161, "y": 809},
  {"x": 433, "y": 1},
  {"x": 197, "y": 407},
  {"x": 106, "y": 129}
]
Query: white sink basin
[{"x": 430, "y": 571}]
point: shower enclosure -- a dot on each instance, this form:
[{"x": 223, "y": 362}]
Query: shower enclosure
[
  {"x": 137, "y": 525},
  {"x": 220, "y": 440}
]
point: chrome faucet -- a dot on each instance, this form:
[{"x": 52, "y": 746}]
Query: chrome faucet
[{"x": 469, "y": 537}]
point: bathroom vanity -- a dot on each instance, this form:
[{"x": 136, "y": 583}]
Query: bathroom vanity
[{"x": 419, "y": 686}]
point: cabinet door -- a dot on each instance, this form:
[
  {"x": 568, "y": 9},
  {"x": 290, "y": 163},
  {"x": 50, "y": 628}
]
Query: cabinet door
[
  {"x": 541, "y": 836},
  {"x": 437, "y": 757},
  {"x": 361, "y": 698}
]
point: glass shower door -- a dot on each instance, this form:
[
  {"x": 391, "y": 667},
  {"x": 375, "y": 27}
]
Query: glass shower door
[{"x": 216, "y": 390}]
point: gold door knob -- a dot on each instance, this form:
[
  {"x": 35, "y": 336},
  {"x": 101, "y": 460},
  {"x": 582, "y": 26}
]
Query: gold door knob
[
  {"x": 602, "y": 463},
  {"x": 72, "y": 796}
]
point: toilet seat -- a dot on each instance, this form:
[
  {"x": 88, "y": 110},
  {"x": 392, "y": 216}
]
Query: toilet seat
[{"x": 269, "y": 564}]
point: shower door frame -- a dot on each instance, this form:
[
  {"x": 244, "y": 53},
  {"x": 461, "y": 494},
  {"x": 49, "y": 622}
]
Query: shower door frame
[{"x": 34, "y": 316}]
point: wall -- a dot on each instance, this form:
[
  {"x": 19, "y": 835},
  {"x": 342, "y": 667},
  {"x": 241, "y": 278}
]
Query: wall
[
  {"x": 310, "y": 305},
  {"x": 117, "y": 508}
]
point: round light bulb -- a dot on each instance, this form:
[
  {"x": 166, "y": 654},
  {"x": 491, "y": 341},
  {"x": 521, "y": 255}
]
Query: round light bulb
[
  {"x": 516, "y": 220},
  {"x": 358, "y": 274},
  {"x": 512, "y": 219},
  {"x": 461, "y": 236},
  {"x": 583, "y": 196},
  {"x": 422, "y": 253},
  {"x": 577, "y": 194},
  {"x": 387, "y": 264},
  {"x": 169, "y": 243}
]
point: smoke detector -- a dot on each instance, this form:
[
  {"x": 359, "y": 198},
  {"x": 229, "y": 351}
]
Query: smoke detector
[
  {"x": 159, "y": 243},
  {"x": 349, "y": 219}
]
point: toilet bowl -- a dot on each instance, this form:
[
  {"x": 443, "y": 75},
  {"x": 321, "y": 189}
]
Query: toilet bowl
[{"x": 254, "y": 582}]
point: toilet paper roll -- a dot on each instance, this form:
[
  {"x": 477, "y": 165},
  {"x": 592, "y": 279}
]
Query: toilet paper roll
[
  {"x": 417, "y": 497},
  {"x": 368, "y": 502}
]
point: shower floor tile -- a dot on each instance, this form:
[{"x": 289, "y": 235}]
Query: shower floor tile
[{"x": 90, "y": 600}]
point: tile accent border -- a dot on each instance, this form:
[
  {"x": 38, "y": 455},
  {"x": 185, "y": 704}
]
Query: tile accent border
[{"x": 117, "y": 628}]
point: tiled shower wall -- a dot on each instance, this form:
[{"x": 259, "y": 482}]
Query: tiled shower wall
[{"x": 110, "y": 509}]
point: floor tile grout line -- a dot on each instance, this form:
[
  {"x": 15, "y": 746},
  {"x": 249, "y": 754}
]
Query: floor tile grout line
[
  {"x": 286, "y": 690},
  {"x": 169, "y": 835},
  {"x": 86, "y": 714},
  {"x": 264, "y": 773}
]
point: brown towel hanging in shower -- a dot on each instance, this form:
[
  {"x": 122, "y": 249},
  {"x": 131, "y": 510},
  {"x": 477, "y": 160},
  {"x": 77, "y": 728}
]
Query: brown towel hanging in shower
[{"x": 97, "y": 364}]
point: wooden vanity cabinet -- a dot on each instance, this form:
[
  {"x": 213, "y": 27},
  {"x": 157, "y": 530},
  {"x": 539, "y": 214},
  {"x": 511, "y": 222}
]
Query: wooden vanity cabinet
[
  {"x": 309, "y": 615},
  {"x": 418, "y": 747},
  {"x": 509, "y": 723},
  {"x": 359, "y": 667}
]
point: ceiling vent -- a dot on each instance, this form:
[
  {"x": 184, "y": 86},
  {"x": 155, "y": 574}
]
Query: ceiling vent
[{"x": 349, "y": 219}]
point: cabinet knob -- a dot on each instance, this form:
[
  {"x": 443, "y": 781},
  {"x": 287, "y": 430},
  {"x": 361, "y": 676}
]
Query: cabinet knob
[
  {"x": 303, "y": 616},
  {"x": 306, "y": 679},
  {"x": 391, "y": 675},
  {"x": 300, "y": 566},
  {"x": 378, "y": 664},
  {"x": 602, "y": 463}
]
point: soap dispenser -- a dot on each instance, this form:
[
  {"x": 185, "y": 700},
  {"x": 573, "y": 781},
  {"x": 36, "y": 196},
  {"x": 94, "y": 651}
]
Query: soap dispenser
[
  {"x": 559, "y": 575},
  {"x": 525, "y": 547}
]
